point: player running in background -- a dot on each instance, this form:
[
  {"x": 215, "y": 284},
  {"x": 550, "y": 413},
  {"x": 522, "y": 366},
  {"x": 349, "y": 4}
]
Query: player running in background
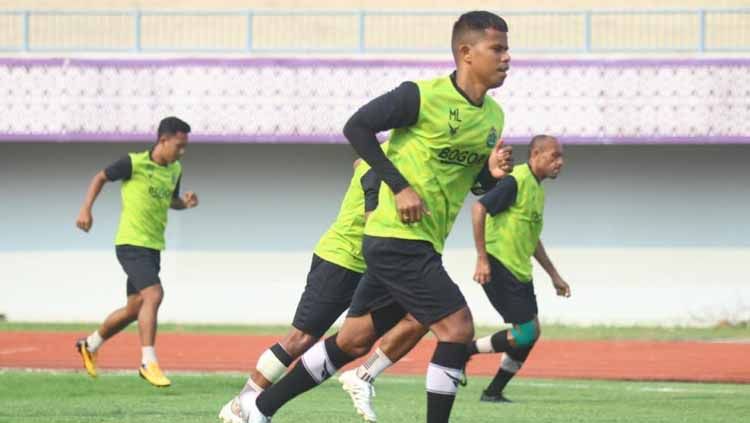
[
  {"x": 150, "y": 186},
  {"x": 505, "y": 243}
]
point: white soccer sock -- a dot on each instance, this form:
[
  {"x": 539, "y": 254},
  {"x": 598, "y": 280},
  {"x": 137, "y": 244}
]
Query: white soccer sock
[
  {"x": 94, "y": 341},
  {"x": 374, "y": 366},
  {"x": 148, "y": 355},
  {"x": 317, "y": 364},
  {"x": 484, "y": 345},
  {"x": 250, "y": 385},
  {"x": 270, "y": 367},
  {"x": 509, "y": 364},
  {"x": 442, "y": 380}
]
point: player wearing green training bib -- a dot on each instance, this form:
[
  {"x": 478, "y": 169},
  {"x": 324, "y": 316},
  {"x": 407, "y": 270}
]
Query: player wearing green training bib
[
  {"x": 337, "y": 266},
  {"x": 150, "y": 187},
  {"x": 444, "y": 141},
  {"x": 505, "y": 243},
  {"x": 341, "y": 244},
  {"x": 147, "y": 193},
  {"x": 440, "y": 156},
  {"x": 336, "y": 270}
]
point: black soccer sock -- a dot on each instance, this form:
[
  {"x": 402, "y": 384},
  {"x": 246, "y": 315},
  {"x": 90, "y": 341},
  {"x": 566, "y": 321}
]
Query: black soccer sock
[
  {"x": 502, "y": 377},
  {"x": 339, "y": 358},
  {"x": 497, "y": 342},
  {"x": 472, "y": 348},
  {"x": 318, "y": 364},
  {"x": 297, "y": 381},
  {"x": 511, "y": 363},
  {"x": 500, "y": 341},
  {"x": 443, "y": 377},
  {"x": 281, "y": 354}
]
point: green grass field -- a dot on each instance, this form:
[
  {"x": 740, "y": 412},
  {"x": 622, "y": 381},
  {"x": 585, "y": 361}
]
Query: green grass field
[
  {"x": 27, "y": 397},
  {"x": 602, "y": 333}
]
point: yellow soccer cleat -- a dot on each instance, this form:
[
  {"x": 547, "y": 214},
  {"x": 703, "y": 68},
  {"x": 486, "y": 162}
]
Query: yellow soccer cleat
[
  {"x": 153, "y": 375},
  {"x": 89, "y": 358}
]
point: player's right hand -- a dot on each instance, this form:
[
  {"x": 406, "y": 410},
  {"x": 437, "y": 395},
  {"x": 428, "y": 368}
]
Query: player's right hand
[
  {"x": 482, "y": 271},
  {"x": 501, "y": 160},
  {"x": 410, "y": 206},
  {"x": 84, "y": 220},
  {"x": 561, "y": 287}
]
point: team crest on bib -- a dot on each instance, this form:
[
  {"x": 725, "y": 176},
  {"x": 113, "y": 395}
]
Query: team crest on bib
[{"x": 492, "y": 137}]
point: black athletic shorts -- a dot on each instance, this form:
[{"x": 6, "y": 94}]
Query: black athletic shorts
[
  {"x": 514, "y": 300},
  {"x": 409, "y": 273},
  {"x": 327, "y": 294},
  {"x": 141, "y": 264}
]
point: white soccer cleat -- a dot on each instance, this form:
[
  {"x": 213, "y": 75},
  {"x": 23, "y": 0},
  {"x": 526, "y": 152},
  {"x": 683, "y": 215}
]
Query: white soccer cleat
[
  {"x": 361, "y": 393},
  {"x": 248, "y": 410},
  {"x": 231, "y": 412}
]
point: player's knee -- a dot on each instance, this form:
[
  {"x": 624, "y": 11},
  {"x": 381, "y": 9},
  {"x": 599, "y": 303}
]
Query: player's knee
[
  {"x": 297, "y": 342},
  {"x": 357, "y": 335},
  {"x": 457, "y": 327},
  {"x": 525, "y": 334},
  {"x": 355, "y": 344},
  {"x": 463, "y": 333},
  {"x": 415, "y": 329},
  {"x": 134, "y": 306},
  {"x": 467, "y": 335},
  {"x": 353, "y": 348},
  {"x": 153, "y": 295},
  {"x": 133, "y": 313}
]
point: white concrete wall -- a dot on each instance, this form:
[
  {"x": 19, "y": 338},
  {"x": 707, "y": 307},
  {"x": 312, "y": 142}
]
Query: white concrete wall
[{"x": 644, "y": 234}]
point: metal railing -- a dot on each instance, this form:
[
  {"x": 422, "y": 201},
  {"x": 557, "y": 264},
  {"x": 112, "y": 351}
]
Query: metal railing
[{"x": 367, "y": 31}]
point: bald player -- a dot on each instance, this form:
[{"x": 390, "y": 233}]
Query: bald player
[{"x": 505, "y": 242}]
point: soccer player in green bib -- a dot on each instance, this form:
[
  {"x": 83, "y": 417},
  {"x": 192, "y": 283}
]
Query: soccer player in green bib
[
  {"x": 444, "y": 142},
  {"x": 505, "y": 242},
  {"x": 336, "y": 269},
  {"x": 150, "y": 186}
]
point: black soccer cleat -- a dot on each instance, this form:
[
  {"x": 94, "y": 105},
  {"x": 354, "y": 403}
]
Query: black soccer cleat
[{"x": 499, "y": 397}]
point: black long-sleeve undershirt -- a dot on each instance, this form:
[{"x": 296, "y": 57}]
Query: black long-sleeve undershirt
[{"x": 398, "y": 108}]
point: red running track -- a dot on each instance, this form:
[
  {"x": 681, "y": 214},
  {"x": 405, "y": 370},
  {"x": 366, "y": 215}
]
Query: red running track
[{"x": 623, "y": 360}]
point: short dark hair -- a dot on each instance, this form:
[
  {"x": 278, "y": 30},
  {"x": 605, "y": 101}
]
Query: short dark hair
[
  {"x": 171, "y": 126},
  {"x": 478, "y": 20}
]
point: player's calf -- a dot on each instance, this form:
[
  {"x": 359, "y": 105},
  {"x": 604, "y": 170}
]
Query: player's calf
[
  {"x": 316, "y": 365},
  {"x": 444, "y": 374},
  {"x": 271, "y": 366}
]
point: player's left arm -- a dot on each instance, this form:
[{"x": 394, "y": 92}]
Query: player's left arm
[
  {"x": 562, "y": 287},
  {"x": 370, "y": 183},
  {"x": 186, "y": 201}
]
